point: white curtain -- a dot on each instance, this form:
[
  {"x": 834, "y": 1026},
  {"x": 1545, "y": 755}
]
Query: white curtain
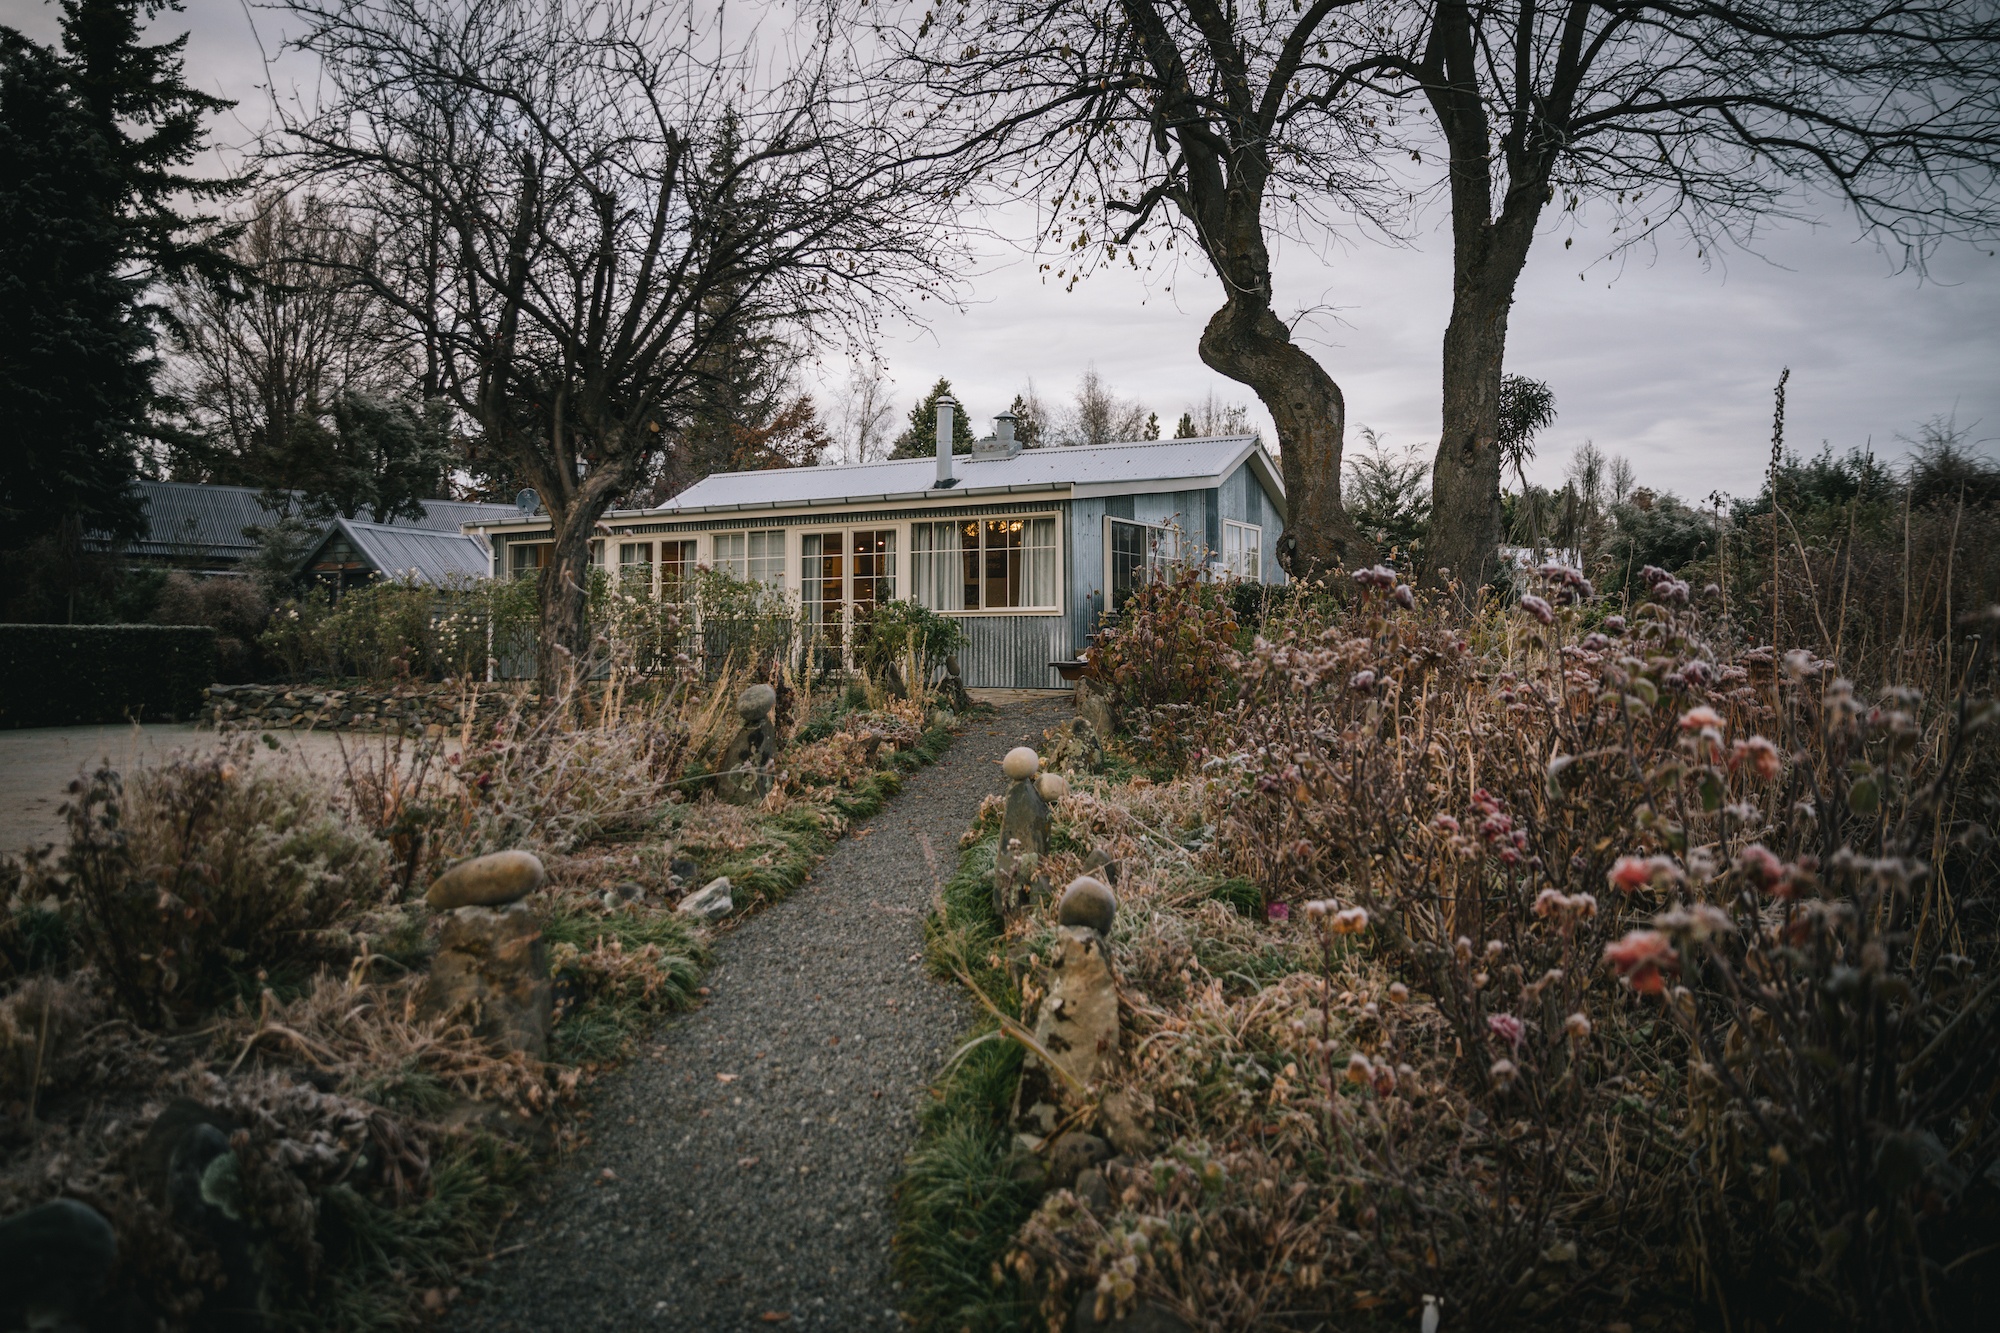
[
  {"x": 934, "y": 566},
  {"x": 1039, "y": 551}
]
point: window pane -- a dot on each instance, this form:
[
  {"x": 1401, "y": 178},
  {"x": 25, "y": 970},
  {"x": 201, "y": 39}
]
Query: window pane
[
  {"x": 874, "y": 568},
  {"x": 729, "y": 555},
  {"x": 1003, "y": 562},
  {"x": 1041, "y": 562},
  {"x": 1128, "y": 560},
  {"x": 822, "y": 582},
  {"x": 767, "y": 558},
  {"x": 968, "y": 536},
  {"x": 676, "y": 567}
]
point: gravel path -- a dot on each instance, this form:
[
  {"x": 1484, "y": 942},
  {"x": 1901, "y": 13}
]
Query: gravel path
[{"x": 739, "y": 1172}]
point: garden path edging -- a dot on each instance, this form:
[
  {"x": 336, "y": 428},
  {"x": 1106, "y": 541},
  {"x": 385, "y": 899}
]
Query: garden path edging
[{"x": 740, "y": 1169}]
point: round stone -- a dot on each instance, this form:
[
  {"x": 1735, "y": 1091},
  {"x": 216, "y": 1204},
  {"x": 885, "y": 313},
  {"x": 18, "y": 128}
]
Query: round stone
[
  {"x": 1087, "y": 902},
  {"x": 755, "y": 704},
  {"x": 488, "y": 881},
  {"x": 1053, "y": 786},
  {"x": 1021, "y": 762}
]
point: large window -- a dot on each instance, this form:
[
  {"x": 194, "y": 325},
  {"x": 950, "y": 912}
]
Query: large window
[
  {"x": 635, "y": 567},
  {"x": 1139, "y": 552},
  {"x": 525, "y": 559},
  {"x": 874, "y": 568},
  {"x": 758, "y": 557},
  {"x": 822, "y": 576},
  {"x": 988, "y": 564},
  {"x": 676, "y": 569},
  {"x": 1243, "y": 551}
]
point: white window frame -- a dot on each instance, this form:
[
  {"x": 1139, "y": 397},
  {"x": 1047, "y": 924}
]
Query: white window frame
[
  {"x": 751, "y": 565},
  {"x": 1163, "y": 550},
  {"x": 1249, "y": 543},
  {"x": 907, "y": 584}
]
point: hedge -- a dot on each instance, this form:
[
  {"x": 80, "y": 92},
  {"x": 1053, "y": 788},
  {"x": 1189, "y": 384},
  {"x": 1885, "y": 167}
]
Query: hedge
[{"x": 59, "y": 675}]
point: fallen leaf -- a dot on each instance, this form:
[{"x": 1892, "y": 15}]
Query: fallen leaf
[
  {"x": 433, "y": 1299},
  {"x": 726, "y": 1078},
  {"x": 747, "y": 1161},
  {"x": 776, "y": 1316},
  {"x": 607, "y": 1174}
]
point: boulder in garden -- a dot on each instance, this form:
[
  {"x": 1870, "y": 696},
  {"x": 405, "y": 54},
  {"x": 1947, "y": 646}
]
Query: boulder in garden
[
  {"x": 493, "y": 880},
  {"x": 711, "y": 904}
]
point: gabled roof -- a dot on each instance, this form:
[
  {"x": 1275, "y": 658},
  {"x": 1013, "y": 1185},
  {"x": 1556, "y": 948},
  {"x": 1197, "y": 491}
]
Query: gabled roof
[
  {"x": 420, "y": 555},
  {"x": 1079, "y": 470},
  {"x": 186, "y": 518}
]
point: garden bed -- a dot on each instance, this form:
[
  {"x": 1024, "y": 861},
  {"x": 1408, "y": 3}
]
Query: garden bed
[
  {"x": 1563, "y": 968},
  {"x": 211, "y": 1003}
]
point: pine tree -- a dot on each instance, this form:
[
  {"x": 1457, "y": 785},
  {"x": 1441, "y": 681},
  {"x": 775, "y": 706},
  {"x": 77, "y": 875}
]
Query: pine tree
[
  {"x": 1152, "y": 425},
  {"x": 919, "y": 438},
  {"x": 1029, "y": 428},
  {"x": 1184, "y": 428},
  {"x": 75, "y": 349},
  {"x": 152, "y": 122}
]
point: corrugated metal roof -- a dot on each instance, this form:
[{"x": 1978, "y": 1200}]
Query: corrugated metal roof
[
  {"x": 186, "y": 518},
  {"x": 421, "y": 555},
  {"x": 1104, "y": 469}
]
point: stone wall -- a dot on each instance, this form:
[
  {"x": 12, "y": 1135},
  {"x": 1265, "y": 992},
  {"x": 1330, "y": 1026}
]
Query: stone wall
[{"x": 364, "y": 708}]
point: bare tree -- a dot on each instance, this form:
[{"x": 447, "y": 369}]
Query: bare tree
[
  {"x": 1211, "y": 416},
  {"x": 1709, "y": 116},
  {"x": 249, "y": 371},
  {"x": 1138, "y": 123},
  {"x": 865, "y": 413},
  {"x": 579, "y": 197},
  {"x": 1100, "y": 416}
]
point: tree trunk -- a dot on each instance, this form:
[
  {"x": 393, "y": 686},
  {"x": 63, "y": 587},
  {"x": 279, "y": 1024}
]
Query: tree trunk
[
  {"x": 1252, "y": 346},
  {"x": 563, "y": 634},
  {"x": 1464, "y": 536}
]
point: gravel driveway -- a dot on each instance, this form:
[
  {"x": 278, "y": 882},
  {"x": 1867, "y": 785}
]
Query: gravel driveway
[{"x": 739, "y": 1171}]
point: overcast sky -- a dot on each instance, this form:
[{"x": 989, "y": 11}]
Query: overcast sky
[{"x": 1664, "y": 360}]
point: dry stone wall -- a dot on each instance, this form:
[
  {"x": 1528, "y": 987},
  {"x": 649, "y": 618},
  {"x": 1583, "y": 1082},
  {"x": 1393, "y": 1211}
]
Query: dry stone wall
[{"x": 362, "y": 708}]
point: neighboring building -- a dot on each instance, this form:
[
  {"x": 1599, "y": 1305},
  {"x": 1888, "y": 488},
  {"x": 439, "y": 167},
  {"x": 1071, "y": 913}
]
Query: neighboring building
[
  {"x": 205, "y": 529},
  {"x": 353, "y": 553},
  {"x": 1023, "y": 547}
]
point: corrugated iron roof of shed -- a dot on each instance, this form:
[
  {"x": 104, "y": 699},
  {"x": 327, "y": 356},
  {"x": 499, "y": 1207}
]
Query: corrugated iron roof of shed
[
  {"x": 424, "y": 555},
  {"x": 197, "y": 517},
  {"x": 1104, "y": 468}
]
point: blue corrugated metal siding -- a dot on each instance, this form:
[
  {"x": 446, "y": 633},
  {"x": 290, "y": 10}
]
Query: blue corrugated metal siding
[
  {"x": 1013, "y": 652},
  {"x": 1085, "y": 576}
]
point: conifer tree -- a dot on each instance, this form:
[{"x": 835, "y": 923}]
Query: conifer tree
[
  {"x": 919, "y": 438},
  {"x": 75, "y": 362}
]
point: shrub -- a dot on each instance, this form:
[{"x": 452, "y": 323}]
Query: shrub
[
  {"x": 60, "y": 675},
  {"x": 234, "y": 608},
  {"x": 1170, "y": 653},
  {"x": 905, "y": 633},
  {"x": 208, "y": 878}
]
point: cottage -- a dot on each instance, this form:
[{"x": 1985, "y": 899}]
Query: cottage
[{"x": 1026, "y": 547}]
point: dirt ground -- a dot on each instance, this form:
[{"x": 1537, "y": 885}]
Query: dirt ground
[{"x": 37, "y": 764}]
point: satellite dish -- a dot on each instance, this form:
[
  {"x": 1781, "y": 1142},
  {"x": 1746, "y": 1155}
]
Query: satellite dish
[{"x": 527, "y": 502}]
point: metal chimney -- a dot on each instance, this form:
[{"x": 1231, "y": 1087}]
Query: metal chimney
[
  {"x": 945, "y": 476},
  {"x": 1003, "y": 434}
]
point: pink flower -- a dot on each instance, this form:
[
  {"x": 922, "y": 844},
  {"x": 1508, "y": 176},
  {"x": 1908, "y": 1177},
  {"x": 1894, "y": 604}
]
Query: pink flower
[
  {"x": 1631, "y": 873},
  {"x": 1506, "y": 1027},
  {"x": 1444, "y": 823},
  {"x": 1761, "y": 864},
  {"x": 1278, "y": 912},
  {"x": 1759, "y": 754},
  {"x": 1639, "y": 957},
  {"x": 1697, "y": 718},
  {"x": 1538, "y": 608}
]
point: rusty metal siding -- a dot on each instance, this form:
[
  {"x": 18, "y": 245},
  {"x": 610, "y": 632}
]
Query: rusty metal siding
[{"x": 1013, "y": 652}]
